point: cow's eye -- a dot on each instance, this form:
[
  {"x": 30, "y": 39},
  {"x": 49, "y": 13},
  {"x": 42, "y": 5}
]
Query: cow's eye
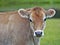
[
  {"x": 45, "y": 19},
  {"x": 30, "y": 20}
]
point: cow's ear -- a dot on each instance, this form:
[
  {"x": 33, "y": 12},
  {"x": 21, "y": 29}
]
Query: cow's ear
[
  {"x": 23, "y": 13},
  {"x": 50, "y": 13}
]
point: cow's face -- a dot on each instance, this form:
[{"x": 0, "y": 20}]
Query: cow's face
[{"x": 37, "y": 17}]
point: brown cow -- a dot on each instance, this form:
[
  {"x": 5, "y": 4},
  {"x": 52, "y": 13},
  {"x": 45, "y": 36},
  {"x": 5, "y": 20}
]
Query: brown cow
[{"x": 23, "y": 27}]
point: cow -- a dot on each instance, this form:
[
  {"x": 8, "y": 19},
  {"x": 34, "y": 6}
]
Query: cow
[{"x": 23, "y": 26}]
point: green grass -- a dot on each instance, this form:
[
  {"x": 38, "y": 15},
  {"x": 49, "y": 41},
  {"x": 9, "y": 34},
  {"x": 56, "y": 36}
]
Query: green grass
[
  {"x": 16, "y": 4},
  {"x": 52, "y": 33}
]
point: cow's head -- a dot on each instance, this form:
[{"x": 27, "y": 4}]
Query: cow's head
[{"x": 37, "y": 17}]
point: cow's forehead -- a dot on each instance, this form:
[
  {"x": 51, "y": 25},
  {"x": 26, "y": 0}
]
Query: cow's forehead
[
  {"x": 37, "y": 9},
  {"x": 38, "y": 12}
]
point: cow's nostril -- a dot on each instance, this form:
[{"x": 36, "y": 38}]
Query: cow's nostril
[{"x": 38, "y": 34}]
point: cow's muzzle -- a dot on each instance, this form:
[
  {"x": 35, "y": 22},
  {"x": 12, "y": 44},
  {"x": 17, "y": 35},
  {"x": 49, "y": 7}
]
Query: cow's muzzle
[{"x": 38, "y": 33}]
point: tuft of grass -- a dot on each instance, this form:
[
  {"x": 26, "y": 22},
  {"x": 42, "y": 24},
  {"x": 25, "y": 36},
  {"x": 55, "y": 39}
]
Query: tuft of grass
[{"x": 52, "y": 33}]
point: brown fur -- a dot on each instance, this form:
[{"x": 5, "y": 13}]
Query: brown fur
[
  {"x": 14, "y": 30},
  {"x": 37, "y": 14}
]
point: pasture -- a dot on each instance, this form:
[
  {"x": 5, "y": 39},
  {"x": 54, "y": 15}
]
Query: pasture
[
  {"x": 52, "y": 33},
  {"x": 16, "y": 4},
  {"x": 52, "y": 30}
]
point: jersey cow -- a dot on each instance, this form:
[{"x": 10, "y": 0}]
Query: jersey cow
[{"x": 23, "y": 27}]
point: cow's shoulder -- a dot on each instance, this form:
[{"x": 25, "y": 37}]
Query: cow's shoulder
[{"x": 5, "y": 17}]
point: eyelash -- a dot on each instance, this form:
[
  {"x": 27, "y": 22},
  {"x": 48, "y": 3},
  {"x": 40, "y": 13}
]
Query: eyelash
[
  {"x": 45, "y": 19},
  {"x": 30, "y": 20}
]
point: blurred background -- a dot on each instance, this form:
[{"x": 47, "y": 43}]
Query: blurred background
[{"x": 52, "y": 31}]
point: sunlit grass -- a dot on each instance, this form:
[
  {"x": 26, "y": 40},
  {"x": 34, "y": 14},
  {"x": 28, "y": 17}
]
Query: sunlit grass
[
  {"x": 16, "y": 4},
  {"x": 52, "y": 33}
]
